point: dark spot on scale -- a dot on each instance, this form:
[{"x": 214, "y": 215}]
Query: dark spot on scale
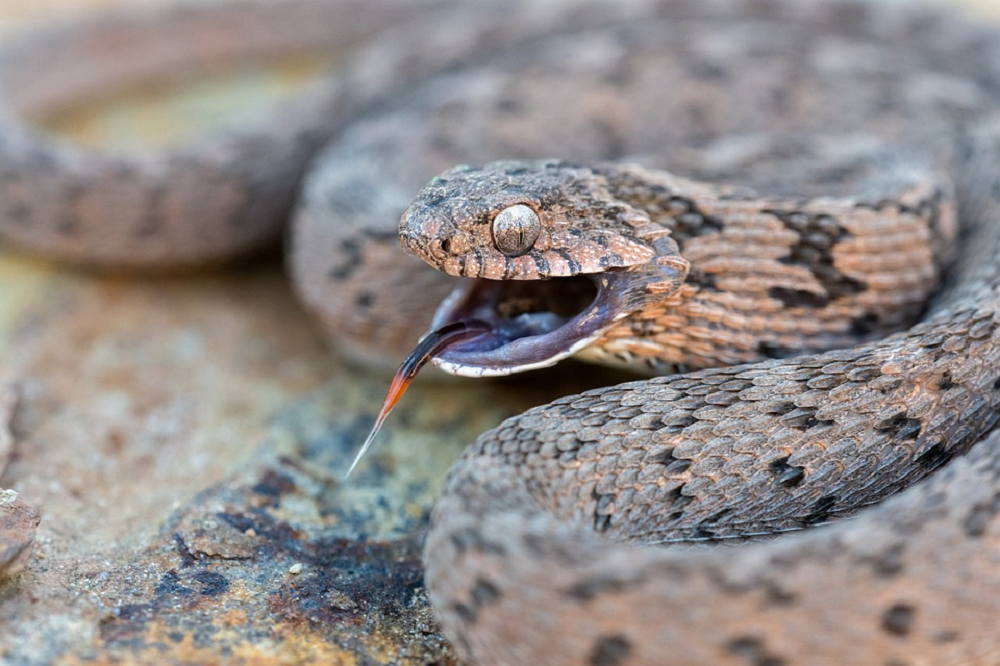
[
  {"x": 674, "y": 423},
  {"x": 364, "y": 299},
  {"x": 717, "y": 517},
  {"x": 593, "y": 587},
  {"x": 945, "y": 382},
  {"x": 678, "y": 499},
  {"x": 787, "y": 476},
  {"x": 821, "y": 510},
  {"x": 465, "y": 613},
  {"x": 889, "y": 564},
  {"x": 769, "y": 349},
  {"x": 485, "y": 592},
  {"x": 472, "y": 539},
  {"x": 753, "y": 651},
  {"x": 706, "y": 281},
  {"x": 899, "y": 427},
  {"x": 978, "y": 520},
  {"x": 898, "y": 619},
  {"x": 602, "y": 523},
  {"x": 686, "y": 220},
  {"x": 781, "y": 408},
  {"x": 778, "y": 597},
  {"x": 996, "y": 384},
  {"x": 602, "y": 517},
  {"x": 574, "y": 265},
  {"x": 701, "y": 533},
  {"x": 798, "y": 298},
  {"x": 610, "y": 650},
  {"x": 351, "y": 249},
  {"x": 946, "y": 636},
  {"x": 541, "y": 264},
  {"x": 864, "y": 325},
  {"x": 803, "y": 418},
  {"x": 934, "y": 457}
]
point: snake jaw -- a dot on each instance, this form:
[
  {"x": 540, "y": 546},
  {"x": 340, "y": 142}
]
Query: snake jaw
[
  {"x": 531, "y": 327},
  {"x": 551, "y": 259}
]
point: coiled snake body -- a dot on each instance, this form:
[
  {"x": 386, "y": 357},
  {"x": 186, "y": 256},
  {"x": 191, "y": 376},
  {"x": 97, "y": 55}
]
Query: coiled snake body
[{"x": 525, "y": 560}]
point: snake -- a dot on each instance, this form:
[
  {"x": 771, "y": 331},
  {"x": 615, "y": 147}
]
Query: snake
[{"x": 784, "y": 211}]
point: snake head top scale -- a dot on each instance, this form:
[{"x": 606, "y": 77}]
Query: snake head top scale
[{"x": 554, "y": 260}]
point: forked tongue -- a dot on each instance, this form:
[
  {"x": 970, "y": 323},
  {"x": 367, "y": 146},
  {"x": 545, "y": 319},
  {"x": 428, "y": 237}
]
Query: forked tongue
[{"x": 432, "y": 343}]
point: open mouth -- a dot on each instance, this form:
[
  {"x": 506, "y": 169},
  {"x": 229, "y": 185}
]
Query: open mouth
[
  {"x": 525, "y": 324},
  {"x": 489, "y": 328}
]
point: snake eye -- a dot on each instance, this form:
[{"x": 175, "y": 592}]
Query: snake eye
[{"x": 515, "y": 229}]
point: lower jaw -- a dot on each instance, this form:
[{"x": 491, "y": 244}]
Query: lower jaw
[{"x": 533, "y": 339}]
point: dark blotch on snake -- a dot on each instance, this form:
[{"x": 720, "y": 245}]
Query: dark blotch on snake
[
  {"x": 898, "y": 619},
  {"x": 753, "y": 651},
  {"x": 485, "y": 592},
  {"x": 594, "y": 587},
  {"x": 787, "y": 475},
  {"x": 864, "y": 325},
  {"x": 818, "y": 235},
  {"x": 351, "y": 249},
  {"x": 821, "y": 511},
  {"x": 470, "y": 539},
  {"x": 934, "y": 457},
  {"x": 978, "y": 520},
  {"x": 610, "y": 651},
  {"x": 901, "y": 427}
]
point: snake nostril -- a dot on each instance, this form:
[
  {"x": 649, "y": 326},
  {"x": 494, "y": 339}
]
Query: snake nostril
[{"x": 446, "y": 245}]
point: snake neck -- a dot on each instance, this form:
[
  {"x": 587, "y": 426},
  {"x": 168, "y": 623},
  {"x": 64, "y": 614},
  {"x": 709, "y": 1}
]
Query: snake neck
[{"x": 773, "y": 276}]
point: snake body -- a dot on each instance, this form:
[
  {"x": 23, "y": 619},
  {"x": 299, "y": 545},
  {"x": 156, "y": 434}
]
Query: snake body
[{"x": 549, "y": 543}]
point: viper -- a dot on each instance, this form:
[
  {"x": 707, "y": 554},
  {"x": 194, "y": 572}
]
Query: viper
[{"x": 788, "y": 208}]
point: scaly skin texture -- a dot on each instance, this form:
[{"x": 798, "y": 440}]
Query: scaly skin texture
[
  {"x": 528, "y": 517},
  {"x": 524, "y": 559},
  {"x": 216, "y": 197}
]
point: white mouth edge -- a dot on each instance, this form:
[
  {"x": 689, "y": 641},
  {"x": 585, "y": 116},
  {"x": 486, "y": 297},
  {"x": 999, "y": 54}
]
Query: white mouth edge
[{"x": 461, "y": 370}]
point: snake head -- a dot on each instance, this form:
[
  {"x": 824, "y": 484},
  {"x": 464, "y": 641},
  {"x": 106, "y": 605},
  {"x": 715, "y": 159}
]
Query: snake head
[
  {"x": 524, "y": 220},
  {"x": 556, "y": 259}
]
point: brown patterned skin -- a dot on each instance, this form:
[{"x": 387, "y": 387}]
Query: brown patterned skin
[
  {"x": 524, "y": 558},
  {"x": 215, "y": 197}
]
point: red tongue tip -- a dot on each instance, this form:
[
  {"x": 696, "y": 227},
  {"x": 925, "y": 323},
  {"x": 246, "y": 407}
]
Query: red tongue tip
[{"x": 431, "y": 344}]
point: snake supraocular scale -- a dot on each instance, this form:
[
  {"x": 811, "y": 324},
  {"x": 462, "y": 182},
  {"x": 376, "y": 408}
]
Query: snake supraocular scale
[{"x": 878, "y": 114}]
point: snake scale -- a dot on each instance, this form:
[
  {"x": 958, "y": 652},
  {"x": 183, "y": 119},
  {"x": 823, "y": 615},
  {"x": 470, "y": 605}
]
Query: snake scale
[{"x": 576, "y": 533}]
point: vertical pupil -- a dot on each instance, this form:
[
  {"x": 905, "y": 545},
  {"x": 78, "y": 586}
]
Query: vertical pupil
[{"x": 515, "y": 230}]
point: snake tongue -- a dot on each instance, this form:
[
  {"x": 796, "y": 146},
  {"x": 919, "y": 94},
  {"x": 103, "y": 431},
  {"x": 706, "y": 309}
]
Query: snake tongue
[{"x": 431, "y": 344}]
